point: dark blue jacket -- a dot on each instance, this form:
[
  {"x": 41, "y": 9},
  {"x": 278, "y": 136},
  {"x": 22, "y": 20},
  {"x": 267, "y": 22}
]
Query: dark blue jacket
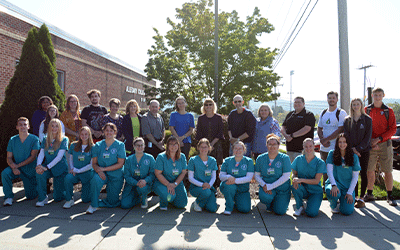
[{"x": 127, "y": 131}]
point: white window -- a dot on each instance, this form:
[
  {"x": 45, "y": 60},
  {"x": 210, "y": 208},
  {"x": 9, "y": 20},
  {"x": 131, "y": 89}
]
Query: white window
[{"x": 61, "y": 79}]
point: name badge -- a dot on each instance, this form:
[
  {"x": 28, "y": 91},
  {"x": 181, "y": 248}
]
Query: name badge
[
  {"x": 137, "y": 172},
  {"x": 235, "y": 171},
  {"x": 51, "y": 152},
  {"x": 106, "y": 155},
  {"x": 207, "y": 172},
  {"x": 81, "y": 158},
  {"x": 271, "y": 171},
  {"x": 175, "y": 171}
]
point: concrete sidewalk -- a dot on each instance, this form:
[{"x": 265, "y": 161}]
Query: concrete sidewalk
[{"x": 24, "y": 226}]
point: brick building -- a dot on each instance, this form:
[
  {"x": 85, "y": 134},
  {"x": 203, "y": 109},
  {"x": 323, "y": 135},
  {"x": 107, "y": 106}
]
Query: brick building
[{"x": 80, "y": 66}]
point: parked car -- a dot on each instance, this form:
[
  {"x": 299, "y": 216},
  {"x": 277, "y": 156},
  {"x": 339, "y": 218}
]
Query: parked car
[{"x": 396, "y": 147}]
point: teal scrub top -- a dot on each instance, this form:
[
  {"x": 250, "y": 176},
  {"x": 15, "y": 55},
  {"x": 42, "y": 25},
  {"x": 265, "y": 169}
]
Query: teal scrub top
[
  {"x": 169, "y": 171},
  {"x": 22, "y": 151},
  {"x": 343, "y": 174},
  {"x": 49, "y": 154},
  {"x": 202, "y": 172},
  {"x": 134, "y": 171},
  {"x": 81, "y": 159},
  {"x": 109, "y": 156},
  {"x": 272, "y": 171},
  {"x": 307, "y": 170},
  {"x": 238, "y": 170}
]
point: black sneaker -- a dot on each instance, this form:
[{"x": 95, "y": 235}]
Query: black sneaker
[
  {"x": 391, "y": 201},
  {"x": 368, "y": 197}
]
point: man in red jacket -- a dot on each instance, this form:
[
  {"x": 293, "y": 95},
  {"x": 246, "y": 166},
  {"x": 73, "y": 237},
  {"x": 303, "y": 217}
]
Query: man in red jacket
[{"x": 383, "y": 128}]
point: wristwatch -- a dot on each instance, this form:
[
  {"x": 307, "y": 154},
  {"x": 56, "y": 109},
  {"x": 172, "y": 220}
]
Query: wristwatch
[{"x": 176, "y": 184}]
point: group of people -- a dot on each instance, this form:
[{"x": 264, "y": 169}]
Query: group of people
[{"x": 130, "y": 155}]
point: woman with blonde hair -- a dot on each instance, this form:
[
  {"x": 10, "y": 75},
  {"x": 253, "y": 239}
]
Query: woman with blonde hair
[
  {"x": 307, "y": 172},
  {"x": 51, "y": 162},
  {"x": 358, "y": 132},
  {"x": 236, "y": 174},
  {"x": 272, "y": 172},
  {"x": 52, "y": 112},
  {"x": 202, "y": 175},
  {"x": 71, "y": 117},
  {"x": 131, "y": 124},
  {"x": 265, "y": 125},
  {"x": 209, "y": 125},
  {"x": 80, "y": 167}
]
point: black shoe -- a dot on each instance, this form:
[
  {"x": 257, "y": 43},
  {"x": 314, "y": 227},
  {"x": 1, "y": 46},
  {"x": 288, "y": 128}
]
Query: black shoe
[
  {"x": 391, "y": 201},
  {"x": 368, "y": 197}
]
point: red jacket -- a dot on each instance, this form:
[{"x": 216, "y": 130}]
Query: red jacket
[{"x": 381, "y": 127}]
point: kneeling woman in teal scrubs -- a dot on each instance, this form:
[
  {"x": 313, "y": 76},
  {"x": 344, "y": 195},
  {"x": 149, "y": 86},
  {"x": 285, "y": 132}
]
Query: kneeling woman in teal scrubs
[
  {"x": 108, "y": 160},
  {"x": 343, "y": 167},
  {"x": 139, "y": 176},
  {"x": 202, "y": 175},
  {"x": 307, "y": 172},
  {"x": 80, "y": 167},
  {"x": 272, "y": 172},
  {"x": 52, "y": 152},
  {"x": 236, "y": 174},
  {"x": 170, "y": 170}
]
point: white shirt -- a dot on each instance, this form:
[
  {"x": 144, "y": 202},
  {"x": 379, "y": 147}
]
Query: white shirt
[{"x": 329, "y": 124}]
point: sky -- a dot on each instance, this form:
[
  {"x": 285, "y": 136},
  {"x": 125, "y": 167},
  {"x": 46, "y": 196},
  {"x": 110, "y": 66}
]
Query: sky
[{"x": 124, "y": 29}]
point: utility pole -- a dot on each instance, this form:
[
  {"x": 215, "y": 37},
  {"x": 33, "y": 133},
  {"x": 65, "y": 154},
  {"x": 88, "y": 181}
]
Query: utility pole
[
  {"x": 216, "y": 54},
  {"x": 291, "y": 73},
  {"x": 344, "y": 56},
  {"x": 365, "y": 76}
]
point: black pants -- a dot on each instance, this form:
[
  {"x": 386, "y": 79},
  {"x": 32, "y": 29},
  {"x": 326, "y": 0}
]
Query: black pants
[{"x": 363, "y": 173}]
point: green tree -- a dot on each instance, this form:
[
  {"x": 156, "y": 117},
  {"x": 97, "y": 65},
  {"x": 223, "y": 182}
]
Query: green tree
[
  {"x": 183, "y": 59},
  {"x": 35, "y": 76},
  {"x": 396, "y": 108}
]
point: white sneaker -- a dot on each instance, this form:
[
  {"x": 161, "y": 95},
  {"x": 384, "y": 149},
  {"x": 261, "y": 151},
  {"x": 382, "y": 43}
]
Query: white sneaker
[
  {"x": 8, "y": 202},
  {"x": 226, "y": 212},
  {"x": 299, "y": 211},
  {"x": 196, "y": 207},
  {"x": 91, "y": 210},
  {"x": 164, "y": 208},
  {"x": 69, "y": 204},
  {"x": 335, "y": 210},
  {"x": 43, "y": 202},
  {"x": 145, "y": 205}
]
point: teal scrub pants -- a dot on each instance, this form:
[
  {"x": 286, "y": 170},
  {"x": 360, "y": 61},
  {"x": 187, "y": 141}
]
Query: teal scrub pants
[
  {"x": 344, "y": 207},
  {"x": 70, "y": 180},
  {"x": 114, "y": 186},
  {"x": 237, "y": 196},
  {"x": 58, "y": 185},
  {"x": 278, "y": 201},
  {"x": 205, "y": 197},
  {"x": 7, "y": 176},
  {"x": 133, "y": 195},
  {"x": 314, "y": 200},
  {"x": 179, "y": 199}
]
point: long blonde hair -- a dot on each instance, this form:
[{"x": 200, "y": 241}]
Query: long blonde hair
[
  {"x": 352, "y": 113},
  {"x": 78, "y": 146},
  {"x": 57, "y": 139}
]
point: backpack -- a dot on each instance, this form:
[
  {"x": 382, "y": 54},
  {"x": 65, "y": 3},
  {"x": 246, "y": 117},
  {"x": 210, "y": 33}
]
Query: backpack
[
  {"x": 337, "y": 113},
  {"x": 385, "y": 111}
]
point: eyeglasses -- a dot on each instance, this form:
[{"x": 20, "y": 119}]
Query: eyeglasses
[
  {"x": 208, "y": 104},
  {"x": 240, "y": 101}
]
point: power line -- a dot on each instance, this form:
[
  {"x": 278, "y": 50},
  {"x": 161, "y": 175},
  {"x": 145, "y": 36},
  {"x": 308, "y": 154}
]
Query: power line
[
  {"x": 276, "y": 64},
  {"x": 294, "y": 20},
  {"x": 284, "y": 20},
  {"x": 291, "y": 34}
]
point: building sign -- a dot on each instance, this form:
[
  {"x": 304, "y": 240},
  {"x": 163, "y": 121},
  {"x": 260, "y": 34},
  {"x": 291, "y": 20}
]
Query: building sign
[{"x": 133, "y": 90}]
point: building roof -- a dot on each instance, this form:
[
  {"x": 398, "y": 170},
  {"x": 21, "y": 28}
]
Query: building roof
[{"x": 21, "y": 14}]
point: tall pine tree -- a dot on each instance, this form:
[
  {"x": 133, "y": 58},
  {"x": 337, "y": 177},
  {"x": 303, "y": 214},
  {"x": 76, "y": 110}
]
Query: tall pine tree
[{"x": 35, "y": 76}]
